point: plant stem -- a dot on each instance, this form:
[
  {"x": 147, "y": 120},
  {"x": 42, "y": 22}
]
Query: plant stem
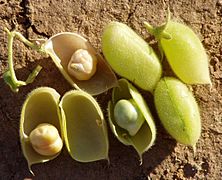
[
  {"x": 9, "y": 76},
  {"x": 28, "y": 43},
  {"x": 11, "y": 36}
]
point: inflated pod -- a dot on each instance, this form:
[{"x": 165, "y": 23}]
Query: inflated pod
[
  {"x": 84, "y": 127},
  {"x": 40, "y": 132},
  {"x": 130, "y": 56},
  {"x": 184, "y": 51},
  {"x": 79, "y": 63},
  {"x": 178, "y": 110},
  {"x": 130, "y": 119}
]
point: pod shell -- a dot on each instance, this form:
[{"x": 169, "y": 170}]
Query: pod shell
[
  {"x": 178, "y": 110},
  {"x": 84, "y": 127},
  {"x": 186, "y": 54},
  {"x": 40, "y": 106},
  {"x": 61, "y": 47},
  {"x": 146, "y": 136},
  {"x": 130, "y": 56}
]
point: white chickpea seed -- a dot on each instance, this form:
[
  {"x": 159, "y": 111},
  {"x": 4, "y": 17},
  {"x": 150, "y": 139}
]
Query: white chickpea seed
[{"x": 82, "y": 64}]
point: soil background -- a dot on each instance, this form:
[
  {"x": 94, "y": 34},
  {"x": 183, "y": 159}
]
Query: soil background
[{"x": 166, "y": 159}]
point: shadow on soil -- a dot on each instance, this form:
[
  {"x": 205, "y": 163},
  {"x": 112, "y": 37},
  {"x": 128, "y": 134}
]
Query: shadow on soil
[{"x": 124, "y": 162}]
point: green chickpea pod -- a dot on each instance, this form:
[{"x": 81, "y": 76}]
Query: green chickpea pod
[{"x": 130, "y": 119}]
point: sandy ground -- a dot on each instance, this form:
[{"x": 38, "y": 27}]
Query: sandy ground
[{"x": 167, "y": 159}]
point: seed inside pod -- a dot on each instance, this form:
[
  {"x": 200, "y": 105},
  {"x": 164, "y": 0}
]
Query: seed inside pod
[
  {"x": 82, "y": 65},
  {"x": 130, "y": 119},
  {"x": 128, "y": 116},
  {"x": 88, "y": 70},
  {"x": 45, "y": 139},
  {"x": 40, "y": 126}
]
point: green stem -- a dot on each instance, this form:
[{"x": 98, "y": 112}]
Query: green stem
[
  {"x": 159, "y": 32},
  {"x": 10, "y": 76},
  {"x": 29, "y": 43},
  {"x": 149, "y": 28},
  {"x": 10, "y": 56}
]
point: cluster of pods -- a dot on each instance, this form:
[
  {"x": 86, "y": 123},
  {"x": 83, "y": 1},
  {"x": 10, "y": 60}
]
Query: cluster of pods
[{"x": 77, "y": 120}]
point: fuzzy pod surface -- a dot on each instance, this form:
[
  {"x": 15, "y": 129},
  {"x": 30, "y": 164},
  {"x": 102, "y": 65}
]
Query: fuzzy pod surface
[
  {"x": 130, "y": 56},
  {"x": 178, "y": 110},
  {"x": 183, "y": 50}
]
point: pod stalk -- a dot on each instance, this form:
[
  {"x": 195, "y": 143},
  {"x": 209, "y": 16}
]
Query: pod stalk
[{"x": 159, "y": 31}]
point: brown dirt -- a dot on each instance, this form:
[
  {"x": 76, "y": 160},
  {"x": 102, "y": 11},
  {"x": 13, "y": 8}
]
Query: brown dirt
[{"x": 167, "y": 159}]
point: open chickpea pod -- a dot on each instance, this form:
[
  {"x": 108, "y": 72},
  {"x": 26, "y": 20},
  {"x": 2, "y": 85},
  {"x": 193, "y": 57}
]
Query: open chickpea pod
[
  {"x": 79, "y": 63},
  {"x": 77, "y": 119},
  {"x": 39, "y": 113},
  {"x": 130, "y": 119},
  {"x": 84, "y": 127}
]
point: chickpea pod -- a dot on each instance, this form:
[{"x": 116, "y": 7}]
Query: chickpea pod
[
  {"x": 40, "y": 130},
  {"x": 85, "y": 130},
  {"x": 46, "y": 121},
  {"x": 74, "y": 56},
  {"x": 79, "y": 63},
  {"x": 178, "y": 111},
  {"x": 130, "y": 56},
  {"x": 130, "y": 119},
  {"x": 183, "y": 50}
]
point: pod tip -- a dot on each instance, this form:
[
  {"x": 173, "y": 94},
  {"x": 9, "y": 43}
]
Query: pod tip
[{"x": 30, "y": 169}]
